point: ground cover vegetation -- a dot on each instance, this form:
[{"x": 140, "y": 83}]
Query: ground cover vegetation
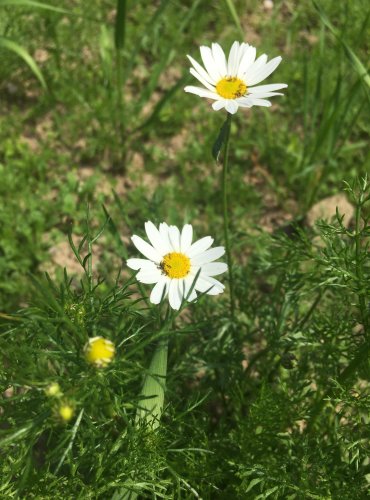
[{"x": 262, "y": 394}]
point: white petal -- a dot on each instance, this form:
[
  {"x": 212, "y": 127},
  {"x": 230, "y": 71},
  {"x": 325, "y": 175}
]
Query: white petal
[
  {"x": 202, "y": 80},
  {"x": 243, "y": 47},
  {"x": 242, "y": 50},
  {"x": 139, "y": 264},
  {"x": 208, "y": 256},
  {"x": 149, "y": 277},
  {"x": 233, "y": 59},
  {"x": 174, "y": 296},
  {"x": 261, "y": 102},
  {"x": 262, "y": 95},
  {"x": 163, "y": 231},
  {"x": 231, "y": 106},
  {"x": 201, "y": 92},
  {"x": 214, "y": 268},
  {"x": 203, "y": 73},
  {"x": 209, "y": 285},
  {"x": 147, "y": 250},
  {"x": 267, "y": 88},
  {"x": 155, "y": 238},
  {"x": 186, "y": 238},
  {"x": 217, "y": 105},
  {"x": 187, "y": 284},
  {"x": 200, "y": 246},
  {"x": 192, "y": 296},
  {"x": 210, "y": 64},
  {"x": 160, "y": 290},
  {"x": 258, "y": 63},
  {"x": 219, "y": 58},
  {"x": 263, "y": 72},
  {"x": 174, "y": 236},
  {"x": 245, "y": 102},
  {"x": 247, "y": 60}
]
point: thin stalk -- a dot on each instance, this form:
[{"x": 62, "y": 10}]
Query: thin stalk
[
  {"x": 120, "y": 108},
  {"x": 359, "y": 270},
  {"x": 90, "y": 277},
  {"x": 119, "y": 41},
  {"x": 225, "y": 208},
  {"x": 234, "y": 15}
]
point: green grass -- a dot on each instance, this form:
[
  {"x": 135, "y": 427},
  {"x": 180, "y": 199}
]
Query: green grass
[{"x": 271, "y": 404}]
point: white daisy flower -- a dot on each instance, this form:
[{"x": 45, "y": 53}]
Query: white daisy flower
[
  {"x": 231, "y": 82},
  {"x": 173, "y": 262}
]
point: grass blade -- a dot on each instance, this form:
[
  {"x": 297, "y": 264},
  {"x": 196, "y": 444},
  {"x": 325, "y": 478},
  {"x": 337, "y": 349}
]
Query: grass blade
[
  {"x": 219, "y": 142},
  {"x": 6, "y": 43},
  {"x": 120, "y": 25},
  {"x": 356, "y": 63},
  {"x": 31, "y": 3},
  {"x": 235, "y": 17},
  {"x": 70, "y": 444}
]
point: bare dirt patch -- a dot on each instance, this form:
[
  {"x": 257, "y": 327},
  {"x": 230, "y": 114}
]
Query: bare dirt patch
[{"x": 326, "y": 209}]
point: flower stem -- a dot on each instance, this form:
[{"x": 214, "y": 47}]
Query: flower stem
[
  {"x": 225, "y": 209},
  {"x": 359, "y": 261},
  {"x": 153, "y": 391}
]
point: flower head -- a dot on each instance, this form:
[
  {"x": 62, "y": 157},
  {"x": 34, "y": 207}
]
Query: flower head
[
  {"x": 53, "y": 390},
  {"x": 99, "y": 351},
  {"x": 231, "y": 82},
  {"x": 65, "y": 412},
  {"x": 178, "y": 268}
]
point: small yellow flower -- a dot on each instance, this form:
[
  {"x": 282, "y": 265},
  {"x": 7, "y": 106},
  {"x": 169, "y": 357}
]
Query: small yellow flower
[
  {"x": 65, "y": 412},
  {"x": 53, "y": 390},
  {"x": 99, "y": 351}
]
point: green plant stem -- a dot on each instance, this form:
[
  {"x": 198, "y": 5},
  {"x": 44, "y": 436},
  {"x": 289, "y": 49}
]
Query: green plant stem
[
  {"x": 151, "y": 399},
  {"x": 225, "y": 208},
  {"x": 359, "y": 270},
  {"x": 89, "y": 272},
  {"x": 120, "y": 108},
  {"x": 119, "y": 41},
  {"x": 153, "y": 391}
]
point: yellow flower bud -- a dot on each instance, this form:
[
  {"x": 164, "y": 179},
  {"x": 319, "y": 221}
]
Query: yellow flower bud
[
  {"x": 65, "y": 412},
  {"x": 53, "y": 390},
  {"x": 99, "y": 351}
]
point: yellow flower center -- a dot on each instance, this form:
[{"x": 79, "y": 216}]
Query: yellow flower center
[
  {"x": 175, "y": 265},
  {"x": 66, "y": 412},
  {"x": 231, "y": 87},
  {"x": 99, "y": 351}
]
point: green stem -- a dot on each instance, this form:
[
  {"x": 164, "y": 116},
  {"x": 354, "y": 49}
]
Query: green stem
[
  {"x": 151, "y": 399},
  {"x": 359, "y": 270},
  {"x": 120, "y": 107},
  {"x": 90, "y": 277},
  {"x": 225, "y": 209},
  {"x": 152, "y": 394},
  {"x": 119, "y": 41}
]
